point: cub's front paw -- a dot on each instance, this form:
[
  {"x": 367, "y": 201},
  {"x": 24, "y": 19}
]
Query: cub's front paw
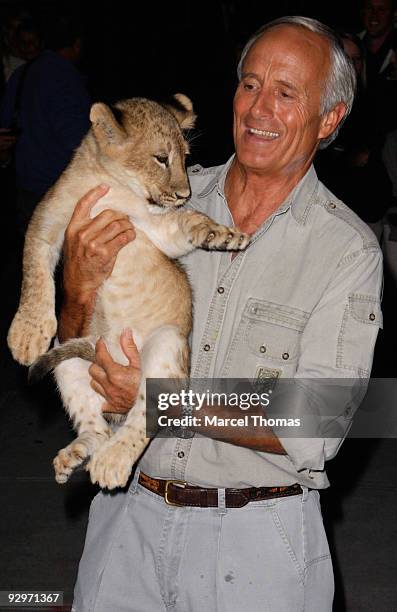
[
  {"x": 110, "y": 466},
  {"x": 75, "y": 453},
  {"x": 30, "y": 336},
  {"x": 68, "y": 459},
  {"x": 213, "y": 236}
]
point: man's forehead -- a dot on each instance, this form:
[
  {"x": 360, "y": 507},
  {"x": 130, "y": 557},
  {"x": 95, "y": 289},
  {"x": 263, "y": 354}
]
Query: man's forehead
[
  {"x": 384, "y": 4},
  {"x": 290, "y": 42}
]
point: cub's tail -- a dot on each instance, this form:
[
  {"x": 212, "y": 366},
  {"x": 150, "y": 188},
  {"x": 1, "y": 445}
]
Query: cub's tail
[{"x": 79, "y": 347}]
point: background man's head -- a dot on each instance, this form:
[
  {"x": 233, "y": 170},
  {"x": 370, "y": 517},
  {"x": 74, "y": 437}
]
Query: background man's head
[
  {"x": 29, "y": 39},
  {"x": 378, "y": 17},
  {"x": 64, "y": 35}
]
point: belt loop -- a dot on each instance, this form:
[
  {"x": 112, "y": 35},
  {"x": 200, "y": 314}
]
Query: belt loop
[
  {"x": 305, "y": 493},
  {"x": 134, "y": 483},
  {"x": 222, "y": 501}
]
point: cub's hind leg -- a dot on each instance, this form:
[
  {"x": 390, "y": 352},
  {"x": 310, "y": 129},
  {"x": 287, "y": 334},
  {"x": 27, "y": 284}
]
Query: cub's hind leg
[
  {"x": 83, "y": 405},
  {"x": 165, "y": 354}
]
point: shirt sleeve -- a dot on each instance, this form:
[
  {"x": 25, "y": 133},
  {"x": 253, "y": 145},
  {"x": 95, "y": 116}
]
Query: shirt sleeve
[{"x": 330, "y": 384}]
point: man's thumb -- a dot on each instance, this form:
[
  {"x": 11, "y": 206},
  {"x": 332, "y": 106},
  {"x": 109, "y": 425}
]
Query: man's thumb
[{"x": 129, "y": 348}]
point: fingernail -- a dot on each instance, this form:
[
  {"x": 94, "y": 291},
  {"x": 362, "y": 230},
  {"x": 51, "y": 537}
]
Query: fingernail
[{"x": 103, "y": 186}]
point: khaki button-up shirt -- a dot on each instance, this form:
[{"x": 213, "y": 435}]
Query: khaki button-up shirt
[{"x": 302, "y": 301}]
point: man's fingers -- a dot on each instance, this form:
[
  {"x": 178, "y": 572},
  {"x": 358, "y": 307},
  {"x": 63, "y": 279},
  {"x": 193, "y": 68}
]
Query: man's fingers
[
  {"x": 83, "y": 207},
  {"x": 129, "y": 348},
  {"x": 98, "y": 388},
  {"x": 116, "y": 228},
  {"x": 97, "y": 373},
  {"x": 102, "y": 355},
  {"x": 106, "y": 407},
  {"x": 108, "y": 221},
  {"x": 115, "y": 245}
]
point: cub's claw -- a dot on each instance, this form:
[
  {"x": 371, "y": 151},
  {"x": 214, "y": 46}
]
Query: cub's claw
[{"x": 218, "y": 237}]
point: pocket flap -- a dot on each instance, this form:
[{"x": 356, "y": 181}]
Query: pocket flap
[
  {"x": 366, "y": 309},
  {"x": 286, "y": 316}
]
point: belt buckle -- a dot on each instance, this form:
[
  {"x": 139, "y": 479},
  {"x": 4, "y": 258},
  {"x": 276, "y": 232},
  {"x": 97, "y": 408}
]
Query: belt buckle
[{"x": 167, "y": 485}]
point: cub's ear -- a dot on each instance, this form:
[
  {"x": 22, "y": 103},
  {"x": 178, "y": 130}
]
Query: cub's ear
[
  {"x": 108, "y": 132},
  {"x": 182, "y": 109}
]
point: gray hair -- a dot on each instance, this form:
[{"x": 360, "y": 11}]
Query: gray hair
[{"x": 340, "y": 84}]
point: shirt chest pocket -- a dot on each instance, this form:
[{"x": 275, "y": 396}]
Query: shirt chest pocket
[{"x": 267, "y": 340}]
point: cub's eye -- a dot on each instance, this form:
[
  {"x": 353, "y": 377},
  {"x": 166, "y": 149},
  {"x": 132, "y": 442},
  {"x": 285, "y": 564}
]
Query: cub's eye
[{"x": 162, "y": 159}]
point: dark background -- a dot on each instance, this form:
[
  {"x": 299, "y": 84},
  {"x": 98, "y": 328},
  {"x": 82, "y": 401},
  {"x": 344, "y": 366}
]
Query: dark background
[{"x": 157, "y": 49}]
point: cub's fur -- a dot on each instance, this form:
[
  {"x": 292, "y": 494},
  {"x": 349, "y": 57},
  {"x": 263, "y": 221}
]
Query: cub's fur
[{"x": 141, "y": 156}]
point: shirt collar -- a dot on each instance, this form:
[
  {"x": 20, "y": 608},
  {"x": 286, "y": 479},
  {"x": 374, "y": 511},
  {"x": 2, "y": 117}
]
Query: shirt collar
[
  {"x": 299, "y": 200},
  {"x": 218, "y": 180}
]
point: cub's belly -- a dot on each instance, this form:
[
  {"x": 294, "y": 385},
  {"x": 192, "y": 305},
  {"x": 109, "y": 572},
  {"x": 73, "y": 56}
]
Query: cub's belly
[{"x": 145, "y": 291}]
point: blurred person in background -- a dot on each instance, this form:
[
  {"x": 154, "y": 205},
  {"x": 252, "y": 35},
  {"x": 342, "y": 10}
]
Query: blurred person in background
[
  {"x": 380, "y": 41},
  {"x": 352, "y": 165},
  {"x": 46, "y": 104},
  {"x": 10, "y": 50}
]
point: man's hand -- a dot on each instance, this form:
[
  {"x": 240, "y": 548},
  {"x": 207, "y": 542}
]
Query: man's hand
[
  {"x": 92, "y": 245},
  {"x": 118, "y": 384},
  {"x": 90, "y": 250}
]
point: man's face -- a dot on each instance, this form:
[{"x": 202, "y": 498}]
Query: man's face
[
  {"x": 378, "y": 17},
  {"x": 277, "y": 123},
  {"x": 29, "y": 45}
]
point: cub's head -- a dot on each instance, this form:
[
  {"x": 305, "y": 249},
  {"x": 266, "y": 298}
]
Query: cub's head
[{"x": 142, "y": 145}]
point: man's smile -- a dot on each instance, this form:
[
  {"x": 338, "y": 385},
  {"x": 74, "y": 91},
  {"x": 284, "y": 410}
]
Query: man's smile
[{"x": 265, "y": 133}]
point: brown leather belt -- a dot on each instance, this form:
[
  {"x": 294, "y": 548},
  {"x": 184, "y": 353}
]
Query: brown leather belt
[{"x": 179, "y": 493}]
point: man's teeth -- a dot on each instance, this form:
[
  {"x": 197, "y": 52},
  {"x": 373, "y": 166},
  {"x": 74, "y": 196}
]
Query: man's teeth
[{"x": 264, "y": 133}]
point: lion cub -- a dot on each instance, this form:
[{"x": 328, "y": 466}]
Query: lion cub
[{"x": 138, "y": 149}]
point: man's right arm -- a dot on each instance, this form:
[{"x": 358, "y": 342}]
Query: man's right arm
[{"x": 90, "y": 250}]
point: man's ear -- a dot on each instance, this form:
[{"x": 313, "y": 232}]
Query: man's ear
[
  {"x": 331, "y": 120},
  {"x": 182, "y": 109},
  {"x": 108, "y": 132}
]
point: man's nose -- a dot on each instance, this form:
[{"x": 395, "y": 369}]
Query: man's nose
[{"x": 262, "y": 105}]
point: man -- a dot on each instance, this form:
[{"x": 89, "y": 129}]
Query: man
[
  {"x": 380, "y": 41},
  {"x": 47, "y": 102},
  {"x": 301, "y": 302},
  {"x": 380, "y": 70}
]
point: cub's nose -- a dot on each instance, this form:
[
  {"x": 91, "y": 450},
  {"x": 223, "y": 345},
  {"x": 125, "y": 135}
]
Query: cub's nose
[{"x": 182, "y": 194}]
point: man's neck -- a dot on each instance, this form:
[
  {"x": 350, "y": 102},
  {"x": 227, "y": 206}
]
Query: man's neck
[
  {"x": 253, "y": 197},
  {"x": 374, "y": 44}
]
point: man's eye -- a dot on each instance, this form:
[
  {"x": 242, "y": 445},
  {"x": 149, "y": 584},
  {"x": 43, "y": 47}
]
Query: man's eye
[
  {"x": 162, "y": 159},
  {"x": 248, "y": 86}
]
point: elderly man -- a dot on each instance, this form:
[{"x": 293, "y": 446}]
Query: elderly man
[{"x": 244, "y": 531}]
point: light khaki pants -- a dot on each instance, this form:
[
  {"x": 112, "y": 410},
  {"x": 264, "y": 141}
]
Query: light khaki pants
[{"x": 142, "y": 555}]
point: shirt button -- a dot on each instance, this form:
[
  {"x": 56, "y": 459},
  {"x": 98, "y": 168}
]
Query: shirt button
[
  {"x": 206, "y": 347},
  {"x": 285, "y": 356},
  {"x": 221, "y": 290},
  {"x": 262, "y": 349},
  {"x": 181, "y": 454},
  {"x": 372, "y": 317},
  {"x": 332, "y": 205}
]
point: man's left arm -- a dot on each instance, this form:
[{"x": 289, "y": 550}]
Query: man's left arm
[{"x": 336, "y": 354}]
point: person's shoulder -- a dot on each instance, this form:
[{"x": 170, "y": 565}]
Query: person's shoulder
[
  {"x": 50, "y": 62},
  {"x": 203, "y": 180},
  {"x": 198, "y": 173},
  {"x": 347, "y": 224}
]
